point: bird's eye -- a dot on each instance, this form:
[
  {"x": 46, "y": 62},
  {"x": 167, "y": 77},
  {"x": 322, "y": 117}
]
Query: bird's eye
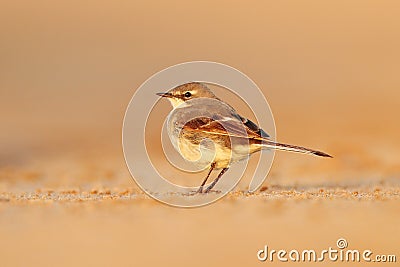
[{"x": 188, "y": 94}]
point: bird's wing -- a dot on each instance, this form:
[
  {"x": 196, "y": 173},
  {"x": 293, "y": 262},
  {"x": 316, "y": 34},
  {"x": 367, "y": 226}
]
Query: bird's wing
[
  {"x": 228, "y": 126},
  {"x": 252, "y": 126}
]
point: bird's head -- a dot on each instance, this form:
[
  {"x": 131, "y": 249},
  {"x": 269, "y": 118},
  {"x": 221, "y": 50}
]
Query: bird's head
[{"x": 187, "y": 91}]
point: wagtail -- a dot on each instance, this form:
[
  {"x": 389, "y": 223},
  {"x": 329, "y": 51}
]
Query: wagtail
[{"x": 199, "y": 115}]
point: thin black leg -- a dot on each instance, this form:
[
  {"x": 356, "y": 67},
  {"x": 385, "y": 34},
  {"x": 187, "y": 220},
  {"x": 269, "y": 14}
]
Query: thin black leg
[
  {"x": 200, "y": 190},
  {"x": 216, "y": 180}
]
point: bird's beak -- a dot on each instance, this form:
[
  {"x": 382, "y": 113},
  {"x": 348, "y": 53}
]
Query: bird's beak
[{"x": 164, "y": 94}]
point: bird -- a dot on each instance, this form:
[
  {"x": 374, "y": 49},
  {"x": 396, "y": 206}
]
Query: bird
[{"x": 211, "y": 133}]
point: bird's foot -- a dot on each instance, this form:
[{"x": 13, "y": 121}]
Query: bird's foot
[
  {"x": 208, "y": 190},
  {"x": 192, "y": 193},
  {"x": 200, "y": 191}
]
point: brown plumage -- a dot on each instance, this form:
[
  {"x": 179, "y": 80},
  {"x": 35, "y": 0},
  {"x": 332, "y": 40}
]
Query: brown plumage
[{"x": 199, "y": 115}]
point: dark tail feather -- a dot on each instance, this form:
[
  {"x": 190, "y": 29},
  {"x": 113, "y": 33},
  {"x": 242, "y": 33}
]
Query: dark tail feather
[{"x": 298, "y": 149}]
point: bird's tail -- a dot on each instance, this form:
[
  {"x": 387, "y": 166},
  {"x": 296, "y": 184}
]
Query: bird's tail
[{"x": 285, "y": 147}]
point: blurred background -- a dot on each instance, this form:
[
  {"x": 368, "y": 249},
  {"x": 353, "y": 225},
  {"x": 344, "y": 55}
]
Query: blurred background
[{"x": 329, "y": 69}]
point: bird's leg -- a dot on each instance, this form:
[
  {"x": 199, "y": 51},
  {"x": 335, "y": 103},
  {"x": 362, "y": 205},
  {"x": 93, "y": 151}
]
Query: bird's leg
[
  {"x": 216, "y": 180},
  {"x": 200, "y": 190}
]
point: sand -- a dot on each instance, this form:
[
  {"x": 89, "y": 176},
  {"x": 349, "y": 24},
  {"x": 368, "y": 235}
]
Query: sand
[{"x": 80, "y": 220}]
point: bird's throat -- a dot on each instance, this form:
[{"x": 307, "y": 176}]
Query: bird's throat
[{"x": 177, "y": 103}]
